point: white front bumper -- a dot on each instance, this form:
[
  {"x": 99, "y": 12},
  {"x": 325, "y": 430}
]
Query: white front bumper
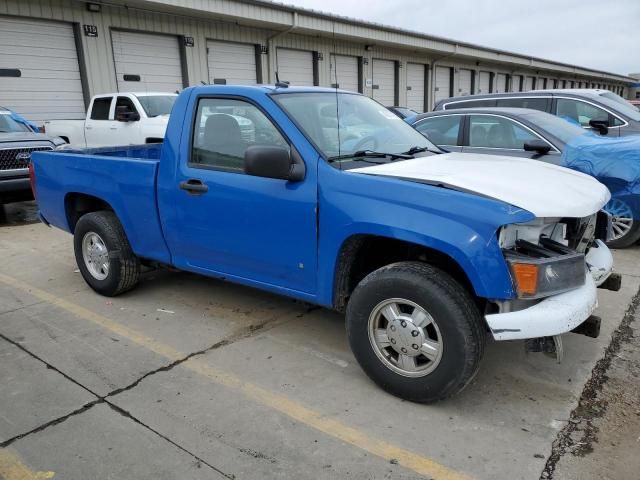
[{"x": 559, "y": 313}]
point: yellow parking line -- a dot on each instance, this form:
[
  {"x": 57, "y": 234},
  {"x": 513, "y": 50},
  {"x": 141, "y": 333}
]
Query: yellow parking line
[
  {"x": 295, "y": 410},
  {"x": 12, "y": 468}
]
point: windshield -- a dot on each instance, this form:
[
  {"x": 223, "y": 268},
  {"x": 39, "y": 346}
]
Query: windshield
[
  {"x": 405, "y": 111},
  {"x": 615, "y": 98},
  {"x": 619, "y": 104},
  {"x": 155, "y": 105},
  {"x": 563, "y": 129},
  {"x": 8, "y": 124},
  {"x": 340, "y": 124}
]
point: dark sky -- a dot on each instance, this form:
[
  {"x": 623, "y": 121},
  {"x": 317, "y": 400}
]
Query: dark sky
[{"x": 600, "y": 34}]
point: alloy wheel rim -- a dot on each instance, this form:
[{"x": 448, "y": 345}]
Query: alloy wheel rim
[
  {"x": 622, "y": 217},
  {"x": 405, "y": 337},
  {"x": 95, "y": 255}
]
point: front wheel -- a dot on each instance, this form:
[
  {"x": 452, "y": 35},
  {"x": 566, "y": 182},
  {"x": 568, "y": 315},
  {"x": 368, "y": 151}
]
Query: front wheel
[
  {"x": 626, "y": 229},
  {"x": 415, "y": 331},
  {"x": 103, "y": 254}
]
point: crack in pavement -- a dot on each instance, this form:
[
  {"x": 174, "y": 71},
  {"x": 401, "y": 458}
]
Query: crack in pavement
[
  {"x": 104, "y": 399},
  {"x": 51, "y": 423},
  {"x": 589, "y": 407},
  {"x": 242, "y": 334},
  {"x": 128, "y": 415},
  {"x": 17, "y": 309}
]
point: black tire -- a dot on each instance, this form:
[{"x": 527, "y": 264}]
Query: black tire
[
  {"x": 124, "y": 266},
  {"x": 628, "y": 239},
  {"x": 452, "y": 308}
]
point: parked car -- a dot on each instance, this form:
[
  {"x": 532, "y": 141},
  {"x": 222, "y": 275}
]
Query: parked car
[
  {"x": 591, "y": 108},
  {"x": 17, "y": 142},
  {"x": 117, "y": 119},
  {"x": 522, "y": 133},
  {"x": 403, "y": 112},
  {"x": 424, "y": 251},
  {"x": 20, "y": 119}
]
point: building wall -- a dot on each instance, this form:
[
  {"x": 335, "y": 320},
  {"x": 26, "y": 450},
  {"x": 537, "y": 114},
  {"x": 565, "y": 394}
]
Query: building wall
[{"x": 100, "y": 70}]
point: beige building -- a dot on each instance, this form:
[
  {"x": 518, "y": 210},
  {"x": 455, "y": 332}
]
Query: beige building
[{"x": 56, "y": 54}]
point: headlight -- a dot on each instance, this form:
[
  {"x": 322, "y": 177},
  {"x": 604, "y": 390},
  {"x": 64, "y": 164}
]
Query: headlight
[{"x": 543, "y": 270}]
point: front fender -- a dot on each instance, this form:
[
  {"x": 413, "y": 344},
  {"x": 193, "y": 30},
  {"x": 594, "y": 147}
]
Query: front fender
[{"x": 460, "y": 225}]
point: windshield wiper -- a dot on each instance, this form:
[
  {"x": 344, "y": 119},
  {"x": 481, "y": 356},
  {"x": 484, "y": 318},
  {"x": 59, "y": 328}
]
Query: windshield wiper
[
  {"x": 370, "y": 154},
  {"x": 414, "y": 150}
]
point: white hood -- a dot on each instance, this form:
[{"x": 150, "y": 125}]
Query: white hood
[{"x": 543, "y": 189}]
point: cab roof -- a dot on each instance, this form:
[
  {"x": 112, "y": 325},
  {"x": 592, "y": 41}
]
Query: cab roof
[{"x": 273, "y": 89}]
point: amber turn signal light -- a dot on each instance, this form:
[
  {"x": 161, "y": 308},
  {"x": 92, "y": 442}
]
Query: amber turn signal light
[{"x": 526, "y": 277}]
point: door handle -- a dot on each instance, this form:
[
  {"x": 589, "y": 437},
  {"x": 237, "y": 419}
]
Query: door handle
[
  {"x": 194, "y": 186},
  {"x": 87, "y": 127}
]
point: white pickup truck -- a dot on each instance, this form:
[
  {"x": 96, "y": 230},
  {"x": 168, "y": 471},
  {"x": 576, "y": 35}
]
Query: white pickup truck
[{"x": 117, "y": 119}]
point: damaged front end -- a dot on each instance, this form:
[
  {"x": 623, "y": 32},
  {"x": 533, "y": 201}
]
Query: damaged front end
[{"x": 556, "y": 265}]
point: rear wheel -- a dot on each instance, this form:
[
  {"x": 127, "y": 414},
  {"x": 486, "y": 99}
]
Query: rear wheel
[
  {"x": 103, "y": 254},
  {"x": 415, "y": 331},
  {"x": 626, "y": 229}
]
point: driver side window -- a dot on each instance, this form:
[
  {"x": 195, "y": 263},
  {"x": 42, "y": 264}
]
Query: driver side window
[
  {"x": 489, "y": 131},
  {"x": 126, "y": 105},
  {"x": 580, "y": 112},
  {"x": 225, "y": 128}
]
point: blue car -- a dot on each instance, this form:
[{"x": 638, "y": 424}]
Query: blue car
[
  {"x": 528, "y": 133},
  {"x": 21, "y": 120}
]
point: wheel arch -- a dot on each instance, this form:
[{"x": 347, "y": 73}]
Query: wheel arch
[
  {"x": 78, "y": 204},
  {"x": 361, "y": 254}
]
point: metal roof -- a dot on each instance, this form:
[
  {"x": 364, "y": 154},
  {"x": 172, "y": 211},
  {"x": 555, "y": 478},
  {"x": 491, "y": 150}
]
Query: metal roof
[
  {"x": 286, "y": 18},
  {"x": 331, "y": 16}
]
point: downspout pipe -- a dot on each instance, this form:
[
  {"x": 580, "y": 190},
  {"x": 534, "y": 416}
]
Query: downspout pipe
[{"x": 273, "y": 66}]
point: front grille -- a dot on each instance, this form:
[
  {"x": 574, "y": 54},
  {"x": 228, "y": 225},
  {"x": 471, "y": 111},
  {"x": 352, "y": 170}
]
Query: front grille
[{"x": 16, "y": 158}]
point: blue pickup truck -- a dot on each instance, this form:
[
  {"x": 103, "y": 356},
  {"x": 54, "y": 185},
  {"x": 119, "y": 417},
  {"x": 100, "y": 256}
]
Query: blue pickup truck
[{"x": 327, "y": 197}]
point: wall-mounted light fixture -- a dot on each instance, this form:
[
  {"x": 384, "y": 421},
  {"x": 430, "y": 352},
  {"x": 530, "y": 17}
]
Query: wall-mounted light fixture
[{"x": 94, "y": 7}]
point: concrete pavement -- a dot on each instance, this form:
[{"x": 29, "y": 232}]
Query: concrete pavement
[{"x": 189, "y": 377}]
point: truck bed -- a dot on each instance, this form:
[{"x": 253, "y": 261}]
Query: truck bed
[
  {"x": 150, "y": 151},
  {"x": 124, "y": 177}
]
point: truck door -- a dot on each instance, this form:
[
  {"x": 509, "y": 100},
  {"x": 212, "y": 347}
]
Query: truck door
[
  {"x": 258, "y": 230},
  {"x": 125, "y": 132},
  {"x": 97, "y": 122}
]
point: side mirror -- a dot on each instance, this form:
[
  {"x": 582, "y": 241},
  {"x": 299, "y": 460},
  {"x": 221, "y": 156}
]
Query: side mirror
[
  {"x": 538, "y": 146},
  {"x": 274, "y": 162},
  {"x": 600, "y": 126},
  {"x": 123, "y": 114}
]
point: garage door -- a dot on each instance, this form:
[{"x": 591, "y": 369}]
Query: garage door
[
  {"x": 146, "y": 62},
  {"x": 231, "y": 63},
  {"x": 484, "y": 82},
  {"x": 415, "y": 87},
  {"x": 528, "y": 84},
  {"x": 443, "y": 83},
  {"x": 344, "y": 68},
  {"x": 464, "y": 81},
  {"x": 501, "y": 83},
  {"x": 295, "y": 66},
  {"x": 384, "y": 81},
  {"x": 44, "y": 56},
  {"x": 516, "y": 82}
]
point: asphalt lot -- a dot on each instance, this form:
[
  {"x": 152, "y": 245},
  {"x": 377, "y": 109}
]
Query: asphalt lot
[{"x": 188, "y": 377}]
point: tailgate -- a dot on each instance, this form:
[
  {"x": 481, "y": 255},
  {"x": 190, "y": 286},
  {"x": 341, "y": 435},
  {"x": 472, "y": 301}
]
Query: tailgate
[{"x": 127, "y": 185}]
